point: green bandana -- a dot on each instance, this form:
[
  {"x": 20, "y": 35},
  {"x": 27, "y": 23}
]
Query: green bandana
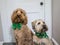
[
  {"x": 16, "y": 25},
  {"x": 41, "y": 35}
]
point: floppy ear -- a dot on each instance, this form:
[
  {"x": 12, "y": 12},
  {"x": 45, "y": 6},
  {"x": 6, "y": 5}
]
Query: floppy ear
[
  {"x": 13, "y": 16},
  {"x": 25, "y": 20}
]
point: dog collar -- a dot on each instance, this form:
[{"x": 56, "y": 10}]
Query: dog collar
[
  {"x": 16, "y": 25},
  {"x": 41, "y": 35}
]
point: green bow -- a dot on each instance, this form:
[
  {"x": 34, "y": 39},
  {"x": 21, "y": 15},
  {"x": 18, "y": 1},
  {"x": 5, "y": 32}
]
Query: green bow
[
  {"x": 41, "y": 35},
  {"x": 16, "y": 25}
]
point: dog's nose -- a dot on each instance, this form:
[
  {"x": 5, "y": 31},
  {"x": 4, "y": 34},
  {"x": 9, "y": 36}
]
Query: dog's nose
[
  {"x": 44, "y": 26},
  {"x": 18, "y": 15}
]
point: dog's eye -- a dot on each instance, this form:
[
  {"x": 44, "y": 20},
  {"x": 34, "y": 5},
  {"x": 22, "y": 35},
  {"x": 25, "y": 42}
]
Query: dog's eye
[{"x": 38, "y": 23}]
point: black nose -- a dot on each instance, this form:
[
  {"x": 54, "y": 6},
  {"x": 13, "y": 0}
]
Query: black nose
[
  {"x": 18, "y": 16},
  {"x": 44, "y": 26}
]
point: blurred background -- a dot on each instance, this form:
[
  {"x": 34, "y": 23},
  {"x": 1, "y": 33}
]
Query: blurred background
[{"x": 56, "y": 19}]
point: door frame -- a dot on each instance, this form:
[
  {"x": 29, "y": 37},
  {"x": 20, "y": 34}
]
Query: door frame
[{"x": 48, "y": 15}]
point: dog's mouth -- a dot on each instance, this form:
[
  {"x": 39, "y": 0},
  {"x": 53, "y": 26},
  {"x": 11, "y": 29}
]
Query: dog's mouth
[
  {"x": 44, "y": 29},
  {"x": 18, "y": 19},
  {"x": 18, "y": 16}
]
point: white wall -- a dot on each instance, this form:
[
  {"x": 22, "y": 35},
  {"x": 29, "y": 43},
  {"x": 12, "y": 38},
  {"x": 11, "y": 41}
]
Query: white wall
[
  {"x": 56, "y": 20},
  {"x": 1, "y": 33}
]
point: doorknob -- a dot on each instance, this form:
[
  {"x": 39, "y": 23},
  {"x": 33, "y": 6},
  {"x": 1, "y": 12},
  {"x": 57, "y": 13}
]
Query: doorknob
[{"x": 41, "y": 3}]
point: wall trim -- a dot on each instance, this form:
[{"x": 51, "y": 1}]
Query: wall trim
[{"x": 48, "y": 16}]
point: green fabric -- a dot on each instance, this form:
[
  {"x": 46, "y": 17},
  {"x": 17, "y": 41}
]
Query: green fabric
[
  {"x": 16, "y": 25},
  {"x": 41, "y": 35}
]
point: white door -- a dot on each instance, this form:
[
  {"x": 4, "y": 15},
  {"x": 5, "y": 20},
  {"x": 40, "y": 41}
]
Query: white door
[{"x": 34, "y": 9}]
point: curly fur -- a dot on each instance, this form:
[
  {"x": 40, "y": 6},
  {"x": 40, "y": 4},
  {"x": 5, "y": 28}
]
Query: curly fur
[
  {"x": 22, "y": 16},
  {"x": 40, "y": 26},
  {"x": 24, "y": 35}
]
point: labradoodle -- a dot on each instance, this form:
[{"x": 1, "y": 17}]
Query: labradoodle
[
  {"x": 40, "y": 37},
  {"x": 23, "y": 34}
]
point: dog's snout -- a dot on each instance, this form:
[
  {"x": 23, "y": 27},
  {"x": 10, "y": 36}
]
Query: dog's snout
[
  {"x": 44, "y": 26},
  {"x": 18, "y": 15}
]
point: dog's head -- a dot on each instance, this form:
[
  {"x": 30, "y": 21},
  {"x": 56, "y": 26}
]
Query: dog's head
[
  {"x": 19, "y": 16},
  {"x": 39, "y": 26}
]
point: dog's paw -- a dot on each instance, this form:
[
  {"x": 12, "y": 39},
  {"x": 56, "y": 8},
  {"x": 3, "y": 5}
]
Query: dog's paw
[{"x": 42, "y": 43}]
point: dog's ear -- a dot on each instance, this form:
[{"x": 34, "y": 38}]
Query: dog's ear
[
  {"x": 24, "y": 19},
  {"x": 13, "y": 16}
]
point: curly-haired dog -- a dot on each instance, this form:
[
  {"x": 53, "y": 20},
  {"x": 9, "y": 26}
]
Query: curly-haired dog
[
  {"x": 40, "y": 37},
  {"x": 23, "y": 34}
]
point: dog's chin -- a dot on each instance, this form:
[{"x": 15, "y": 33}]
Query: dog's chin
[
  {"x": 44, "y": 30},
  {"x": 17, "y": 20}
]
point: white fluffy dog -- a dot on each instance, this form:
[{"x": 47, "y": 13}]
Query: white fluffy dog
[{"x": 40, "y": 37}]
